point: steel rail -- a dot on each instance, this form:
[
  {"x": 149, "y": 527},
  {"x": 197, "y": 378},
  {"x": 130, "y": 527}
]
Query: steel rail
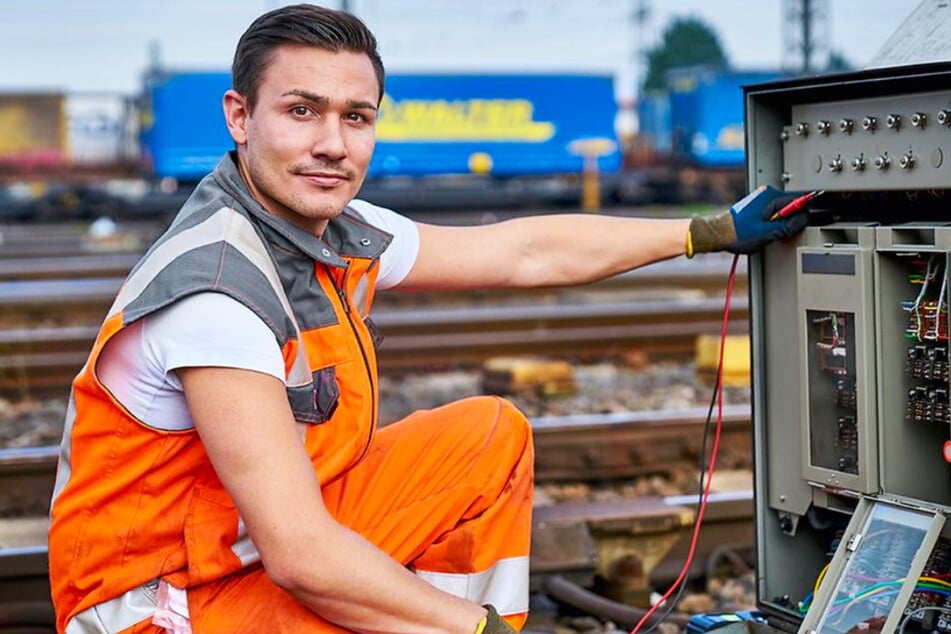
[
  {"x": 703, "y": 272},
  {"x": 27, "y": 476},
  {"x": 48, "y": 357},
  {"x": 575, "y": 447},
  {"x": 67, "y": 267}
]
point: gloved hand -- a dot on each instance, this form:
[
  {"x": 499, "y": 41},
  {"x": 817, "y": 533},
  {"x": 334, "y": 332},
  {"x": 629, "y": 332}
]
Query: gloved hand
[
  {"x": 749, "y": 225},
  {"x": 492, "y": 623}
]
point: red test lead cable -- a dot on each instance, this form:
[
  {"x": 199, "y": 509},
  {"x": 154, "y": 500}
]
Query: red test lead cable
[
  {"x": 795, "y": 205},
  {"x": 713, "y": 453}
]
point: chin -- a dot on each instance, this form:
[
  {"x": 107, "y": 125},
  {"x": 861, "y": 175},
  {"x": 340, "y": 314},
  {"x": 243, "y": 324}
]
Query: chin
[{"x": 326, "y": 212}]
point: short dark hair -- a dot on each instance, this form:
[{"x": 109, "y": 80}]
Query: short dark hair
[{"x": 305, "y": 24}]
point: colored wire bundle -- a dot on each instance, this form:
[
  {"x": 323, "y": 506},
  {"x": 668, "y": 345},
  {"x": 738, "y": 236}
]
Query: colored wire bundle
[
  {"x": 924, "y": 312},
  {"x": 883, "y": 588}
]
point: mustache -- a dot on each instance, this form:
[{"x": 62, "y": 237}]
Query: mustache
[{"x": 323, "y": 168}]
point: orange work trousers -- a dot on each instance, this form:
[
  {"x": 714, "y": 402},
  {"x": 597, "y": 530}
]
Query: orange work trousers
[{"x": 444, "y": 490}]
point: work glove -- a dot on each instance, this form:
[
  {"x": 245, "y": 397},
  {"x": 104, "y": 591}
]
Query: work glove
[
  {"x": 750, "y": 224},
  {"x": 492, "y": 623}
]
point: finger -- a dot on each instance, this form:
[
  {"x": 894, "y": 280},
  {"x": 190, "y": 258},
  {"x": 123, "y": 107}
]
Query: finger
[
  {"x": 776, "y": 205},
  {"x": 793, "y": 224},
  {"x": 790, "y": 207}
]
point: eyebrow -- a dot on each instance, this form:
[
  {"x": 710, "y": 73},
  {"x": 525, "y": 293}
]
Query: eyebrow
[{"x": 322, "y": 99}]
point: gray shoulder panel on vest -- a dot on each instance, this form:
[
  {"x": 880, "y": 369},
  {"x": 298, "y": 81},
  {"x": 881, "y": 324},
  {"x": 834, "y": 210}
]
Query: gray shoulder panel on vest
[
  {"x": 204, "y": 202},
  {"x": 217, "y": 267}
]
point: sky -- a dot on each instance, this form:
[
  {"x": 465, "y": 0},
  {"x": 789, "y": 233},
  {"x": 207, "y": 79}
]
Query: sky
[{"x": 104, "y": 46}]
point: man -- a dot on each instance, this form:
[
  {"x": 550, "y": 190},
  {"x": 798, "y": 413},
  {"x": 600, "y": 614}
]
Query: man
[{"x": 221, "y": 471}]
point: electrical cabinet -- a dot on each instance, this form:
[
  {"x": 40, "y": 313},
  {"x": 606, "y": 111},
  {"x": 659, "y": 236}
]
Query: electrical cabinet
[{"x": 850, "y": 327}]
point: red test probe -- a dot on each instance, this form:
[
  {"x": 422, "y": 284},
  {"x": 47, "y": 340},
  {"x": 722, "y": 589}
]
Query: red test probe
[{"x": 796, "y": 205}]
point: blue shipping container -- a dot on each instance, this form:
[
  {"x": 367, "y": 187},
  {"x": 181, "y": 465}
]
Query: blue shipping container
[
  {"x": 719, "y": 140},
  {"x": 504, "y": 125},
  {"x": 707, "y": 113},
  {"x": 184, "y": 131},
  {"x": 653, "y": 121}
]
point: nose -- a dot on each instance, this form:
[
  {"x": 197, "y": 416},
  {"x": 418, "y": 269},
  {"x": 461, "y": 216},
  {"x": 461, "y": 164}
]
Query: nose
[{"x": 330, "y": 143}]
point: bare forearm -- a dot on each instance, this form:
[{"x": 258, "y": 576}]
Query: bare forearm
[
  {"x": 348, "y": 581},
  {"x": 574, "y": 249},
  {"x": 550, "y": 250}
]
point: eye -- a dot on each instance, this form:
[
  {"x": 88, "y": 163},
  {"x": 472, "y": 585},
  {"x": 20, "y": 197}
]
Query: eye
[
  {"x": 360, "y": 117},
  {"x": 300, "y": 111}
]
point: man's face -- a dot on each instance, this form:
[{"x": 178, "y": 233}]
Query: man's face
[{"x": 306, "y": 147}]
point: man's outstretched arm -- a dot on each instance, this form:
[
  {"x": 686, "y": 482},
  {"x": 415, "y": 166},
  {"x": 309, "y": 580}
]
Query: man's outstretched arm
[
  {"x": 551, "y": 250},
  {"x": 566, "y": 249},
  {"x": 246, "y": 425}
]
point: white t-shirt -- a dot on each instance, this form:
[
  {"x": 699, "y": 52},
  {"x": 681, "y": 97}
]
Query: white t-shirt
[{"x": 138, "y": 364}]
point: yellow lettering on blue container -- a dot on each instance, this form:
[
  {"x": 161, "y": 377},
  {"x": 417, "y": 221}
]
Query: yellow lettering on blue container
[
  {"x": 438, "y": 120},
  {"x": 731, "y": 137}
]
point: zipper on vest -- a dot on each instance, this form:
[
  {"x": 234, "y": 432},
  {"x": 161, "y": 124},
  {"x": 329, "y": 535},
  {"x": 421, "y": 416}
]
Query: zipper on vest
[{"x": 342, "y": 296}]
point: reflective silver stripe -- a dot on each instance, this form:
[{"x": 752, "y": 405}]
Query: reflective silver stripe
[
  {"x": 63, "y": 467},
  {"x": 116, "y": 614},
  {"x": 243, "y": 548},
  {"x": 236, "y": 230},
  {"x": 360, "y": 295},
  {"x": 504, "y": 585}
]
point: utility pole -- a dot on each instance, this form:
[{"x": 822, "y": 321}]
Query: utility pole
[
  {"x": 640, "y": 14},
  {"x": 805, "y": 33},
  {"x": 345, "y": 6}
]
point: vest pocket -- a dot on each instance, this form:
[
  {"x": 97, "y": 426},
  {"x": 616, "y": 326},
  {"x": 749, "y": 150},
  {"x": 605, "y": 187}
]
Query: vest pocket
[
  {"x": 326, "y": 393},
  {"x": 315, "y": 403},
  {"x": 210, "y": 533}
]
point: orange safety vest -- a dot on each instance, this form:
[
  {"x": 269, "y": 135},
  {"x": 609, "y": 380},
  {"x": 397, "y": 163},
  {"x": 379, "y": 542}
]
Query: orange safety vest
[{"x": 134, "y": 504}]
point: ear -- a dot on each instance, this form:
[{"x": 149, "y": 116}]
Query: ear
[{"x": 236, "y": 115}]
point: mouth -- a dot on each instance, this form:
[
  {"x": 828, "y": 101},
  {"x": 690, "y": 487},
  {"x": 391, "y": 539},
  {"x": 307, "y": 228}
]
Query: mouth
[{"x": 325, "y": 179}]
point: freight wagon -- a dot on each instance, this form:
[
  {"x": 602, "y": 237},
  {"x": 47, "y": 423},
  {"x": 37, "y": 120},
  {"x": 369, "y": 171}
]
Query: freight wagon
[
  {"x": 32, "y": 131},
  {"x": 691, "y": 144},
  {"x": 442, "y": 140},
  {"x": 58, "y": 150}
]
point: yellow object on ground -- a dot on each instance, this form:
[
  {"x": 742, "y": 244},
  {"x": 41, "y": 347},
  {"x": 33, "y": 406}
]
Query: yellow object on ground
[
  {"x": 736, "y": 359},
  {"x": 508, "y": 375}
]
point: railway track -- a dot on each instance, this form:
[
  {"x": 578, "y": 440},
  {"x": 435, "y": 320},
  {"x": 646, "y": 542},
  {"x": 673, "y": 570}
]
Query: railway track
[
  {"x": 52, "y": 297},
  {"x": 43, "y": 359},
  {"x": 48, "y": 325},
  {"x": 572, "y": 542}
]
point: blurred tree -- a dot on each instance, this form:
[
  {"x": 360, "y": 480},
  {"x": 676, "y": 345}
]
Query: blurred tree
[
  {"x": 838, "y": 63},
  {"x": 686, "y": 42}
]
